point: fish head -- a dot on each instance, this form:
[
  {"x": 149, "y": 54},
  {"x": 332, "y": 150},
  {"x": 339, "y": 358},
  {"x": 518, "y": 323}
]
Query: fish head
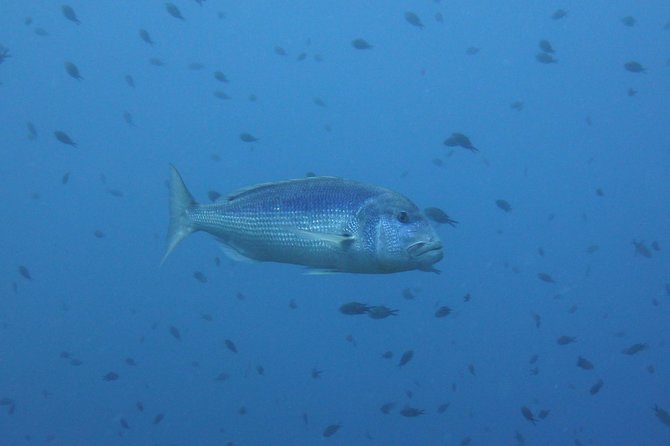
[{"x": 398, "y": 234}]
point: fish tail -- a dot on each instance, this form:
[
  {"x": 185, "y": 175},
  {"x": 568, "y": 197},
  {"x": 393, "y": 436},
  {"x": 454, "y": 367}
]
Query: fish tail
[{"x": 181, "y": 201}]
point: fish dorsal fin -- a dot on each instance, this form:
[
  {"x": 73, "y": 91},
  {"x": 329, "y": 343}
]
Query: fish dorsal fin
[{"x": 239, "y": 193}]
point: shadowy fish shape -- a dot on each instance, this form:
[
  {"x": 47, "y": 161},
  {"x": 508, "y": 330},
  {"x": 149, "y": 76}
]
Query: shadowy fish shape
[
  {"x": 584, "y": 363},
  {"x": 172, "y": 9},
  {"x": 64, "y": 138},
  {"x": 411, "y": 412},
  {"x": 130, "y": 81},
  {"x": 361, "y": 44},
  {"x": 144, "y": 35},
  {"x": 528, "y": 414},
  {"x": 158, "y": 418},
  {"x": 73, "y": 71},
  {"x": 25, "y": 273},
  {"x": 595, "y": 388},
  {"x": 413, "y": 19},
  {"x": 111, "y": 376},
  {"x": 628, "y": 20},
  {"x": 565, "y": 340},
  {"x": 174, "y": 331},
  {"x": 545, "y": 58},
  {"x": 219, "y": 76},
  {"x": 386, "y": 408},
  {"x": 662, "y": 415},
  {"x": 248, "y": 137},
  {"x": 442, "y": 311},
  {"x": 559, "y": 14},
  {"x": 634, "y": 349},
  {"x": 354, "y": 308},
  {"x": 546, "y": 46},
  {"x": 406, "y": 357},
  {"x": 439, "y": 216},
  {"x": 69, "y": 14},
  {"x": 327, "y": 223},
  {"x": 381, "y": 312},
  {"x": 460, "y": 140},
  {"x": 331, "y": 430},
  {"x": 634, "y": 67},
  {"x": 504, "y": 205},
  {"x": 230, "y": 345},
  {"x": 544, "y": 277}
]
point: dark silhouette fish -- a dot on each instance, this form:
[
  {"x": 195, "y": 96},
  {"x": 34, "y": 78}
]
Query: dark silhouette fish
[
  {"x": 442, "y": 311},
  {"x": 460, "y": 140},
  {"x": 73, "y": 71},
  {"x": 230, "y": 345},
  {"x": 331, "y": 430},
  {"x": 504, "y": 205},
  {"x": 634, "y": 349},
  {"x": 559, "y": 14},
  {"x": 546, "y": 46},
  {"x": 595, "y": 388},
  {"x": 411, "y": 412},
  {"x": 545, "y": 58},
  {"x": 64, "y": 138},
  {"x": 584, "y": 363},
  {"x": 353, "y": 308},
  {"x": 144, "y": 35},
  {"x": 406, "y": 357},
  {"x": 439, "y": 216},
  {"x": 381, "y": 312},
  {"x": 327, "y": 223},
  {"x": 69, "y": 14},
  {"x": 361, "y": 44},
  {"x": 413, "y": 19},
  {"x": 248, "y": 137},
  {"x": 634, "y": 67},
  {"x": 4, "y": 54},
  {"x": 528, "y": 415},
  {"x": 172, "y": 9}
]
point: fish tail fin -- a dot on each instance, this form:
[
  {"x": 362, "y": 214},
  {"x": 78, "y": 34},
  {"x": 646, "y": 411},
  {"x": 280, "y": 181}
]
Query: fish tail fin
[{"x": 181, "y": 201}]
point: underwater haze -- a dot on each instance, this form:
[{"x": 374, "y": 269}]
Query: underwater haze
[{"x": 533, "y": 135}]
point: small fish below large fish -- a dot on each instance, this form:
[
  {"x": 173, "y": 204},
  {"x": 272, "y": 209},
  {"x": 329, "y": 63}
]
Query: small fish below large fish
[{"x": 328, "y": 224}]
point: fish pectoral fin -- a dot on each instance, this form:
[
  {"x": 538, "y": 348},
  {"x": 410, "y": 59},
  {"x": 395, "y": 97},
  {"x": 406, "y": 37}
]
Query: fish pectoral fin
[{"x": 344, "y": 240}]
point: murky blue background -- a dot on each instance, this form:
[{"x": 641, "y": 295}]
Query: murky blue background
[{"x": 92, "y": 302}]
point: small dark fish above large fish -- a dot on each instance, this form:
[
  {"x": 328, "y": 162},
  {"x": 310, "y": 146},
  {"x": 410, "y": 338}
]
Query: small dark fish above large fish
[
  {"x": 326, "y": 223},
  {"x": 439, "y": 216}
]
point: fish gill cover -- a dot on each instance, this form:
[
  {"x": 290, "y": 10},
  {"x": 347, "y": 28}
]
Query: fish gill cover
[{"x": 532, "y": 139}]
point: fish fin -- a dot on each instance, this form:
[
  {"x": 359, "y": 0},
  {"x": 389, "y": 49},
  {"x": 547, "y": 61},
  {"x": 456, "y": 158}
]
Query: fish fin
[
  {"x": 321, "y": 272},
  {"x": 181, "y": 201},
  {"x": 234, "y": 254},
  {"x": 344, "y": 240}
]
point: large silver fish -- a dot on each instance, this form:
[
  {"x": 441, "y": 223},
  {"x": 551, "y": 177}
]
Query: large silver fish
[{"x": 326, "y": 223}]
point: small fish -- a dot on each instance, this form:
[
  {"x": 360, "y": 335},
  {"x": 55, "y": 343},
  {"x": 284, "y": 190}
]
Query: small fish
[
  {"x": 131, "y": 362},
  {"x": 200, "y": 277},
  {"x": 115, "y": 193},
  {"x": 230, "y": 345},
  {"x": 354, "y": 308},
  {"x": 634, "y": 67},
  {"x": 471, "y": 51},
  {"x": 662, "y": 415},
  {"x": 76, "y": 362},
  {"x": 545, "y": 58},
  {"x": 280, "y": 51},
  {"x": 331, "y": 430},
  {"x": 471, "y": 369},
  {"x": 129, "y": 80},
  {"x": 32, "y": 131},
  {"x": 223, "y": 376},
  {"x": 156, "y": 62},
  {"x": 387, "y": 354},
  {"x": 592, "y": 248},
  {"x": 544, "y": 413},
  {"x": 504, "y": 205},
  {"x": 219, "y": 94},
  {"x": 72, "y": 70},
  {"x": 196, "y": 66},
  {"x": 595, "y": 388},
  {"x": 41, "y": 32},
  {"x": 381, "y": 312},
  {"x": 111, "y": 376},
  {"x": 584, "y": 363},
  {"x": 442, "y": 408},
  {"x": 316, "y": 373},
  {"x": 213, "y": 195},
  {"x": 260, "y": 370},
  {"x": 124, "y": 423},
  {"x": 411, "y": 412},
  {"x": 439, "y": 216},
  {"x": 172, "y": 9},
  {"x": 442, "y": 311},
  {"x": 25, "y": 273},
  {"x": 128, "y": 118},
  {"x": 406, "y": 357},
  {"x": 544, "y": 277},
  {"x": 386, "y": 408},
  {"x": 517, "y": 105},
  {"x": 537, "y": 319},
  {"x": 65, "y": 178},
  {"x": 559, "y": 14},
  {"x": 361, "y": 44},
  {"x": 641, "y": 248},
  {"x": 546, "y": 46},
  {"x": 140, "y": 406},
  {"x": 64, "y": 138},
  {"x": 413, "y": 19},
  {"x": 219, "y": 76},
  {"x": 655, "y": 246},
  {"x": 528, "y": 415},
  {"x": 319, "y": 102},
  {"x": 144, "y": 35},
  {"x": 174, "y": 331},
  {"x": 248, "y": 137},
  {"x": 408, "y": 294},
  {"x": 634, "y": 349},
  {"x": 565, "y": 340},
  {"x": 158, "y": 418},
  {"x": 69, "y": 14},
  {"x": 628, "y": 21},
  {"x": 460, "y": 140}
]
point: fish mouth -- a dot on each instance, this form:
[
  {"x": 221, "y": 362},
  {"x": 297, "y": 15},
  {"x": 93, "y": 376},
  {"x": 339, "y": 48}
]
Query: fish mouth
[{"x": 426, "y": 249}]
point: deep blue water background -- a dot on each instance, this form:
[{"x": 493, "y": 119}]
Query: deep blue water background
[{"x": 388, "y": 111}]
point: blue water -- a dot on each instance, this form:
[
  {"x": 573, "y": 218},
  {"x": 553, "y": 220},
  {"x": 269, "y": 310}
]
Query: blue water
[{"x": 95, "y": 302}]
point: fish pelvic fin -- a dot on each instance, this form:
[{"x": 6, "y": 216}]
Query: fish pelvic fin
[{"x": 181, "y": 201}]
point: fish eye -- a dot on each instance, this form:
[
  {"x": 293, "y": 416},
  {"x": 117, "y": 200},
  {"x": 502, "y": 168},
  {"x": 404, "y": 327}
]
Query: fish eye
[{"x": 403, "y": 217}]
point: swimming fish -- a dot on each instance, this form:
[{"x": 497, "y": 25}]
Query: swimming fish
[{"x": 326, "y": 223}]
